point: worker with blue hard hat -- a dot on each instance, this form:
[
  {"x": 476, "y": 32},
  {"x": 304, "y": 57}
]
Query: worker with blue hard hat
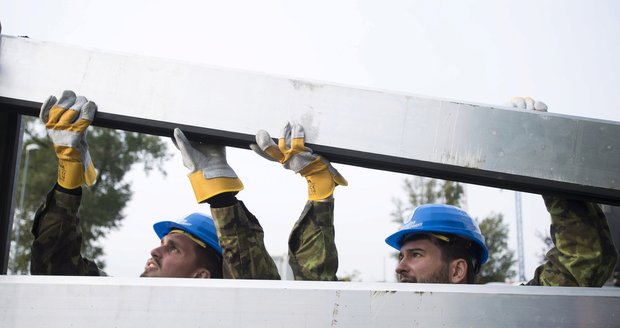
[
  {"x": 443, "y": 244},
  {"x": 196, "y": 234},
  {"x": 448, "y": 233}
]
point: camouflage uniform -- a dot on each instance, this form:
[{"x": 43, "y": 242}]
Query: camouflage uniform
[
  {"x": 56, "y": 249},
  {"x": 312, "y": 250},
  {"x": 584, "y": 254}
]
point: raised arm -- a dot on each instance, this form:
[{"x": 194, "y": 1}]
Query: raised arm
[
  {"x": 312, "y": 248},
  {"x": 56, "y": 249},
  {"x": 583, "y": 254},
  {"x": 239, "y": 232}
]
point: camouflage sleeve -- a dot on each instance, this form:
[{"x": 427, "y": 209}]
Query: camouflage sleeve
[
  {"x": 584, "y": 254},
  {"x": 241, "y": 239},
  {"x": 312, "y": 248},
  {"x": 56, "y": 249}
]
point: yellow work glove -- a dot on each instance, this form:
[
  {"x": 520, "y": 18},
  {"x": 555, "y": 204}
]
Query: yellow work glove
[
  {"x": 66, "y": 121},
  {"x": 210, "y": 173},
  {"x": 290, "y": 151}
]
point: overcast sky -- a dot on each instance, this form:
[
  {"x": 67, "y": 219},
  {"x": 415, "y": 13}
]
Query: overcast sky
[{"x": 562, "y": 52}]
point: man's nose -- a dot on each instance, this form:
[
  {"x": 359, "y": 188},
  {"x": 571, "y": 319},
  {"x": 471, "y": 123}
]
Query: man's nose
[
  {"x": 156, "y": 252},
  {"x": 400, "y": 267}
]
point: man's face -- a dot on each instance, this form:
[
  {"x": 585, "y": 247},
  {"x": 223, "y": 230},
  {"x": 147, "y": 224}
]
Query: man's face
[
  {"x": 421, "y": 261},
  {"x": 175, "y": 257}
]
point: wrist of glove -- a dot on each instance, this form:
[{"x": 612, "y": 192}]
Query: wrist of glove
[
  {"x": 210, "y": 173},
  {"x": 66, "y": 121},
  {"x": 321, "y": 176},
  {"x": 321, "y": 183},
  {"x": 205, "y": 188},
  {"x": 72, "y": 172}
]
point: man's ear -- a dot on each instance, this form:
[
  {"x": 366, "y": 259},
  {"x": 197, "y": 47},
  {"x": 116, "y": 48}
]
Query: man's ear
[
  {"x": 458, "y": 271},
  {"x": 202, "y": 273}
]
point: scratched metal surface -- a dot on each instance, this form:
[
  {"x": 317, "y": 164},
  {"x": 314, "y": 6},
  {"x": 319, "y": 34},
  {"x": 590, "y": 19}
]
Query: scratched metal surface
[
  {"x": 548, "y": 146},
  {"x": 31, "y": 301}
]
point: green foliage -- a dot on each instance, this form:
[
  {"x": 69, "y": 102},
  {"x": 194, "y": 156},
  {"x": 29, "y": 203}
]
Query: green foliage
[
  {"x": 546, "y": 239},
  {"x": 114, "y": 153},
  {"x": 501, "y": 258},
  {"x": 421, "y": 190}
]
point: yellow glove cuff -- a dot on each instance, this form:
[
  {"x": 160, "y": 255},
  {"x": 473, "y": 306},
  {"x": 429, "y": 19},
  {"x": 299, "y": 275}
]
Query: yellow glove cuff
[
  {"x": 320, "y": 181},
  {"x": 71, "y": 171},
  {"x": 207, "y": 188},
  {"x": 71, "y": 174},
  {"x": 320, "y": 185}
]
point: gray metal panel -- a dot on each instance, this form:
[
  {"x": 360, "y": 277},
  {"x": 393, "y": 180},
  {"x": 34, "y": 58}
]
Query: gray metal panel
[
  {"x": 481, "y": 139},
  {"x": 27, "y": 301}
]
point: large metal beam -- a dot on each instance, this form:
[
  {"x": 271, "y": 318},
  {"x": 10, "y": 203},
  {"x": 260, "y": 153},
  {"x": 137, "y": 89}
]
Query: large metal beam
[
  {"x": 28, "y": 301},
  {"x": 485, "y": 145}
]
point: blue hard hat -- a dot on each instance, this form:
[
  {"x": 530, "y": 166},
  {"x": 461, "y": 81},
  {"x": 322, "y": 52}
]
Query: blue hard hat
[
  {"x": 441, "y": 219},
  {"x": 198, "y": 225}
]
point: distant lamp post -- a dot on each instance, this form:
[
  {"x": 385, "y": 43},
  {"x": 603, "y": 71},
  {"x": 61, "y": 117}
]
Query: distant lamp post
[
  {"x": 520, "y": 252},
  {"x": 18, "y": 218}
]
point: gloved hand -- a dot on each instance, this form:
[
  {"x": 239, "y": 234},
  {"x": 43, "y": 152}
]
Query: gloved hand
[
  {"x": 322, "y": 177},
  {"x": 66, "y": 121},
  {"x": 527, "y": 103},
  {"x": 210, "y": 173}
]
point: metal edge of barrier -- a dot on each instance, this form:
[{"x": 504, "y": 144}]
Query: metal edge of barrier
[
  {"x": 29, "y": 301},
  {"x": 350, "y": 157}
]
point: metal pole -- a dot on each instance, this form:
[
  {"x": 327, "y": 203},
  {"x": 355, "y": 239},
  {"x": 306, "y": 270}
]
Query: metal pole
[
  {"x": 18, "y": 218},
  {"x": 520, "y": 254},
  {"x": 384, "y": 275}
]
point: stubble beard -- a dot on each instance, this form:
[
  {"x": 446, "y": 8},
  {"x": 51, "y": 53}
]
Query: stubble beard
[{"x": 441, "y": 276}]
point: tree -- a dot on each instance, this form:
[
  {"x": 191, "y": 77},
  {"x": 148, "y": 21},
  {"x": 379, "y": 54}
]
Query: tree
[
  {"x": 501, "y": 258},
  {"x": 114, "y": 152},
  {"x": 546, "y": 239},
  {"x": 421, "y": 190}
]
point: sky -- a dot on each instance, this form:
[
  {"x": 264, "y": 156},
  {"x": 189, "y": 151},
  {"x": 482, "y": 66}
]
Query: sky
[{"x": 564, "y": 53}]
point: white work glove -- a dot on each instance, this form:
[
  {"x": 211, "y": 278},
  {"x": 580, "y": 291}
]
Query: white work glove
[
  {"x": 322, "y": 177},
  {"x": 210, "y": 174},
  {"x": 527, "y": 103},
  {"x": 66, "y": 121}
]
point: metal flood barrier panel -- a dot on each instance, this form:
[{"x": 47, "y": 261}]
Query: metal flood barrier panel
[
  {"x": 480, "y": 144},
  {"x": 40, "y": 301},
  {"x": 485, "y": 145}
]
